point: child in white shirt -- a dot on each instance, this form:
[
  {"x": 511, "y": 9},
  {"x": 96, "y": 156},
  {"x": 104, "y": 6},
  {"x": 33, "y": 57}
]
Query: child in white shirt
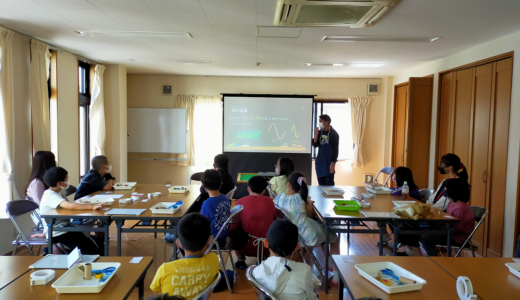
[
  {"x": 57, "y": 179},
  {"x": 284, "y": 278}
]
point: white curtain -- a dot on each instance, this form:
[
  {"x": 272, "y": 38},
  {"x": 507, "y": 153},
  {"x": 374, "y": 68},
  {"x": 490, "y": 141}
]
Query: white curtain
[
  {"x": 187, "y": 102},
  {"x": 207, "y": 129},
  {"x": 358, "y": 108},
  {"x": 8, "y": 190},
  {"x": 39, "y": 95},
  {"x": 97, "y": 114}
]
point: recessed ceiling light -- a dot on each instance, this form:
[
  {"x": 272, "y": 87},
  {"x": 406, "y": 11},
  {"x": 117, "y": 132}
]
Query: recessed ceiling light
[
  {"x": 177, "y": 35},
  {"x": 167, "y": 61},
  {"x": 379, "y": 38},
  {"x": 360, "y": 64}
]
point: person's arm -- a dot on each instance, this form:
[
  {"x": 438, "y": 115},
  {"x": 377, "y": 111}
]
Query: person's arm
[
  {"x": 70, "y": 205},
  {"x": 334, "y": 143},
  {"x": 457, "y": 213},
  {"x": 109, "y": 185},
  {"x": 315, "y": 140}
]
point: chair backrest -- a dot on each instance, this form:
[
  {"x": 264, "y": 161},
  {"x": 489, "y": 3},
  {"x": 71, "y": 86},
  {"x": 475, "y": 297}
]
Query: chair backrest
[
  {"x": 479, "y": 213},
  {"x": 231, "y": 193},
  {"x": 261, "y": 292},
  {"x": 270, "y": 191},
  {"x": 385, "y": 170},
  {"x": 20, "y": 207},
  {"x": 235, "y": 212},
  {"x": 206, "y": 293},
  {"x": 71, "y": 190},
  {"x": 426, "y": 193},
  {"x": 196, "y": 176}
]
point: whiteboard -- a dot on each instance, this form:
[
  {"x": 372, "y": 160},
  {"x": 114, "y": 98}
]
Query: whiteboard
[{"x": 157, "y": 130}]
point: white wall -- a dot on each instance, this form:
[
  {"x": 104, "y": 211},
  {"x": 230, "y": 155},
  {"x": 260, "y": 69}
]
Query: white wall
[{"x": 502, "y": 45}]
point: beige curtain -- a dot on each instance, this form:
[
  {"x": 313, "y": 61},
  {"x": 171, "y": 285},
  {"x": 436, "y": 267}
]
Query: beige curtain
[
  {"x": 358, "y": 112},
  {"x": 207, "y": 139},
  {"x": 187, "y": 102},
  {"x": 8, "y": 190},
  {"x": 38, "y": 93},
  {"x": 97, "y": 114}
]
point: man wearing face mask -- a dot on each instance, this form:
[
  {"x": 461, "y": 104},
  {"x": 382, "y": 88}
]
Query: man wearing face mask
[
  {"x": 57, "y": 179},
  {"x": 327, "y": 140},
  {"x": 97, "y": 179}
]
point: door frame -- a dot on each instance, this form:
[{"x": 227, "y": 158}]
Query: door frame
[{"x": 394, "y": 117}]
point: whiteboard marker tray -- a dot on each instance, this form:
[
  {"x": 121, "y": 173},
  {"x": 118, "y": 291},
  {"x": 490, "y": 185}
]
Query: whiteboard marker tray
[
  {"x": 162, "y": 208},
  {"x": 514, "y": 268},
  {"x": 370, "y": 271},
  {"x": 106, "y": 201},
  {"x": 124, "y": 185},
  {"x": 179, "y": 189},
  {"x": 72, "y": 281}
]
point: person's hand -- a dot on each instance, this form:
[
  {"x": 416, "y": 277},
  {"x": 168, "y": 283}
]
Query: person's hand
[
  {"x": 114, "y": 181},
  {"x": 38, "y": 235},
  {"x": 332, "y": 167},
  {"x": 317, "y": 131},
  {"x": 98, "y": 206}
]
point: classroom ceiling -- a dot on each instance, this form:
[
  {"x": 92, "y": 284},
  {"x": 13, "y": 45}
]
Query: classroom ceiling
[{"x": 225, "y": 33}]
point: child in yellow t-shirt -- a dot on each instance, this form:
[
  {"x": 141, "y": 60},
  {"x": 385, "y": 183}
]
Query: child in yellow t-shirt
[{"x": 187, "y": 277}]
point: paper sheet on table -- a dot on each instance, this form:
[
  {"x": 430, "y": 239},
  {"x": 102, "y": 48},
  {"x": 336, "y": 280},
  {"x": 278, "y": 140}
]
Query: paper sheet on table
[
  {"x": 113, "y": 196},
  {"x": 516, "y": 260},
  {"x": 136, "y": 260}
]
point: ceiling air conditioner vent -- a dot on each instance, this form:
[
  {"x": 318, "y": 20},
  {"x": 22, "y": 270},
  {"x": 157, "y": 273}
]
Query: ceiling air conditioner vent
[{"x": 354, "y": 14}]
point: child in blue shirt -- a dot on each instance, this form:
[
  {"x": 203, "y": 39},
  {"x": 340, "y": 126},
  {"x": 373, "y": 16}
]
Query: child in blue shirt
[{"x": 217, "y": 207}]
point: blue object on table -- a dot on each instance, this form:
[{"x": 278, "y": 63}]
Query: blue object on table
[
  {"x": 107, "y": 271},
  {"x": 390, "y": 273},
  {"x": 178, "y": 203}
]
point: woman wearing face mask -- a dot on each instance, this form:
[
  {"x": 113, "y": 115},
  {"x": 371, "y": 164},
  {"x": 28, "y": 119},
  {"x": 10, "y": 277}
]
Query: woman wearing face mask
[
  {"x": 454, "y": 168},
  {"x": 284, "y": 167}
]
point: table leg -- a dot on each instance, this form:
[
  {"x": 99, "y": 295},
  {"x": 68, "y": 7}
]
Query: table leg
[
  {"x": 397, "y": 227},
  {"x": 49, "y": 233},
  {"x": 107, "y": 233},
  {"x": 119, "y": 224},
  {"x": 141, "y": 288},
  {"x": 326, "y": 271},
  {"x": 448, "y": 244},
  {"x": 341, "y": 287},
  {"x": 382, "y": 227},
  {"x": 348, "y": 232}
]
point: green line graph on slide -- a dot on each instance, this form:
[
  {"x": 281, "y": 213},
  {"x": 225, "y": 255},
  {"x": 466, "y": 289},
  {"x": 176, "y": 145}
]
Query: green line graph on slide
[{"x": 293, "y": 129}]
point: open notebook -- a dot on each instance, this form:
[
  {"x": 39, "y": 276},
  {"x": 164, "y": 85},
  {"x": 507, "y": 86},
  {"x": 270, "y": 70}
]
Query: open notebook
[{"x": 51, "y": 261}]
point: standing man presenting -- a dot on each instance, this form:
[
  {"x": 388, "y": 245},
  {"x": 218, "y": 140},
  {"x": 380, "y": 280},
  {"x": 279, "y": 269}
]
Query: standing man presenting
[{"x": 327, "y": 140}]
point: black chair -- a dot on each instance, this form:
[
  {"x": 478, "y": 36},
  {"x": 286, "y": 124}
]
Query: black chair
[
  {"x": 386, "y": 170},
  {"x": 71, "y": 190},
  {"x": 426, "y": 194},
  {"x": 16, "y": 209},
  {"x": 479, "y": 213},
  {"x": 196, "y": 176}
]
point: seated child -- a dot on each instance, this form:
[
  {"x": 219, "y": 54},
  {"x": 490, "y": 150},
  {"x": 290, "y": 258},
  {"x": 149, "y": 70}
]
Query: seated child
[
  {"x": 57, "y": 178},
  {"x": 402, "y": 174},
  {"x": 253, "y": 222},
  {"x": 458, "y": 192},
  {"x": 97, "y": 179},
  {"x": 217, "y": 207},
  {"x": 284, "y": 168},
  {"x": 299, "y": 209},
  {"x": 188, "y": 276},
  {"x": 286, "y": 279}
]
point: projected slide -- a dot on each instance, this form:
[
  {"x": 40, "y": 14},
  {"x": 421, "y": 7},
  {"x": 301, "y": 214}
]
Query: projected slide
[{"x": 265, "y": 124}]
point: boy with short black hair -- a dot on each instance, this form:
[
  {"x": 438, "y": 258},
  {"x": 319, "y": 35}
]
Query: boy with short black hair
[
  {"x": 217, "y": 207},
  {"x": 253, "y": 222},
  {"x": 57, "y": 179},
  {"x": 187, "y": 277},
  {"x": 286, "y": 279}
]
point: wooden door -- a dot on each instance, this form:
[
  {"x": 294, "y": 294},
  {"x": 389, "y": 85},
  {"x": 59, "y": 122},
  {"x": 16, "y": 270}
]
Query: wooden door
[
  {"x": 444, "y": 111},
  {"x": 479, "y": 155},
  {"x": 462, "y": 114},
  {"x": 419, "y": 129},
  {"x": 400, "y": 118},
  {"x": 497, "y": 169}
]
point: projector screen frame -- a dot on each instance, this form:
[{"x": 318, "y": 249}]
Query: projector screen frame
[{"x": 224, "y": 95}]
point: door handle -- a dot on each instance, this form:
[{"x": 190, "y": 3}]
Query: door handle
[{"x": 485, "y": 173}]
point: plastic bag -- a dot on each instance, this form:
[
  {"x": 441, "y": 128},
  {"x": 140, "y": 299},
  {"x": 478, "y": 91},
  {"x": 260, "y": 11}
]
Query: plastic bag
[{"x": 413, "y": 210}]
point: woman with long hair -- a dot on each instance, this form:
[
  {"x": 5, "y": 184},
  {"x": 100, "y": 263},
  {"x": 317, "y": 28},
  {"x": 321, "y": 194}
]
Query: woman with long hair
[
  {"x": 452, "y": 166},
  {"x": 42, "y": 161},
  {"x": 402, "y": 175}
]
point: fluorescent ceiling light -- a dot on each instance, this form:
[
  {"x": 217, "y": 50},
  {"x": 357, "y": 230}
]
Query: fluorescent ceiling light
[
  {"x": 177, "y": 35},
  {"x": 359, "y": 65},
  {"x": 379, "y": 38},
  {"x": 167, "y": 61}
]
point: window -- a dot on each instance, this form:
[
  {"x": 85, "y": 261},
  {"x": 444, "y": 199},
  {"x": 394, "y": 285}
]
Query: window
[
  {"x": 339, "y": 113},
  {"x": 84, "y": 116}
]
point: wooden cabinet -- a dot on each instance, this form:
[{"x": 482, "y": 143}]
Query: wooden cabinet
[
  {"x": 412, "y": 127},
  {"x": 474, "y": 124}
]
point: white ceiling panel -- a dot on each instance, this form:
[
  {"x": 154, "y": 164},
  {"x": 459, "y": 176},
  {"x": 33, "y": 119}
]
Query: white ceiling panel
[
  {"x": 409, "y": 7},
  {"x": 264, "y": 19},
  {"x": 498, "y": 8},
  {"x": 65, "y": 3},
  {"x": 194, "y": 22},
  {"x": 230, "y": 12},
  {"x": 268, "y": 6},
  {"x": 184, "y": 5},
  {"x": 453, "y": 8},
  {"x": 206, "y": 43},
  {"x": 152, "y": 26},
  {"x": 120, "y": 4},
  {"x": 89, "y": 19}
]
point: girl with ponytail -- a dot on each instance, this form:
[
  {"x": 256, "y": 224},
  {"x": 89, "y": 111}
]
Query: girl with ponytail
[
  {"x": 452, "y": 166},
  {"x": 297, "y": 206}
]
